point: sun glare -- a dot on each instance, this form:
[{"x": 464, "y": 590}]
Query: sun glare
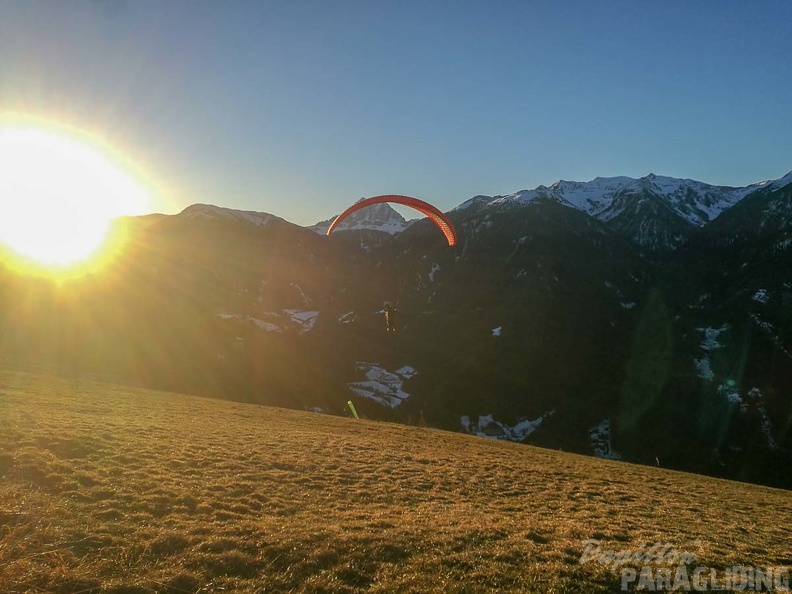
[{"x": 59, "y": 193}]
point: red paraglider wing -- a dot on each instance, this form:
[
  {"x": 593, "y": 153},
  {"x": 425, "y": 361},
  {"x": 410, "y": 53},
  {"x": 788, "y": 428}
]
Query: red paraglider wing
[{"x": 439, "y": 219}]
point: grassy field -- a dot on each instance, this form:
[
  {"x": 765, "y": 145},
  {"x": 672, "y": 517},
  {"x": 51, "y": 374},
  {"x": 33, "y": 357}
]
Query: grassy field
[{"x": 106, "y": 488}]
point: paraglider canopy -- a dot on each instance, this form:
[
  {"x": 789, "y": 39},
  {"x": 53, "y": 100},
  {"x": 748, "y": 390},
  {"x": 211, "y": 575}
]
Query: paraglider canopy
[{"x": 439, "y": 219}]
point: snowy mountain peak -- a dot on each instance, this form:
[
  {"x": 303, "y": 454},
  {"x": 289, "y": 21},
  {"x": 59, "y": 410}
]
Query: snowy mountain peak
[
  {"x": 211, "y": 212},
  {"x": 377, "y": 217},
  {"x": 472, "y": 202},
  {"x": 781, "y": 182},
  {"x": 606, "y": 198}
]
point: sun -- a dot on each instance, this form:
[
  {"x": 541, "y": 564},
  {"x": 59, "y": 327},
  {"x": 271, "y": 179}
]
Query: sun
[{"x": 59, "y": 193}]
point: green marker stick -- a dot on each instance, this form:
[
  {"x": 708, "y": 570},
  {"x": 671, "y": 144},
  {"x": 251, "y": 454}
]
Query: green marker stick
[{"x": 352, "y": 408}]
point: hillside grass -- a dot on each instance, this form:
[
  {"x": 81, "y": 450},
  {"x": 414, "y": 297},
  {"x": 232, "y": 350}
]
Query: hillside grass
[{"x": 105, "y": 488}]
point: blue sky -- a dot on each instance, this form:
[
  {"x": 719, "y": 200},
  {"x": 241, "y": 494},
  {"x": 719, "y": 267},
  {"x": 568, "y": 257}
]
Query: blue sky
[{"x": 300, "y": 107}]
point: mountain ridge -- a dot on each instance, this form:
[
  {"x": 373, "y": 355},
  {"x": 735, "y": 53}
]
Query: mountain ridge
[
  {"x": 595, "y": 197},
  {"x": 619, "y": 199},
  {"x": 657, "y": 212}
]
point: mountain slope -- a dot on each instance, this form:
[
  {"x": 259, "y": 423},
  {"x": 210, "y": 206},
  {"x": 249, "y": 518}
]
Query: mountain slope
[
  {"x": 516, "y": 271},
  {"x": 732, "y": 289}
]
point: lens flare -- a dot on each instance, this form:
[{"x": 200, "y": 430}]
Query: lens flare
[{"x": 60, "y": 193}]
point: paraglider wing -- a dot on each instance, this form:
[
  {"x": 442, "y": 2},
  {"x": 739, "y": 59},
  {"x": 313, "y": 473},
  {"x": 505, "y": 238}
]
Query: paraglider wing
[{"x": 439, "y": 219}]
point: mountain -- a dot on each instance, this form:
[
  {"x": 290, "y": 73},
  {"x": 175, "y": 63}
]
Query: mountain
[
  {"x": 218, "y": 213},
  {"x": 377, "y": 217},
  {"x": 654, "y": 211},
  {"x": 732, "y": 290},
  {"x": 644, "y": 319}
]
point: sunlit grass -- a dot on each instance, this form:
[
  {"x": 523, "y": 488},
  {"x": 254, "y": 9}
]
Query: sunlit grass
[{"x": 114, "y": 489}]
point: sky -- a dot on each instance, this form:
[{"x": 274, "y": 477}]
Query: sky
[{"x": 300, "y": 107}]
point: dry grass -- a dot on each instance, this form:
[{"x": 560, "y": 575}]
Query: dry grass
[{"x": 112, "y": 489}]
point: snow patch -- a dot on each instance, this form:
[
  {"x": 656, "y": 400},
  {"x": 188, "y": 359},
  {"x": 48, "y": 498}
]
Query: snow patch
[
  {"x": 347, "y": 317},
  {"x": 406, "y": 372},
  {"x": 260, "y": 324},
  {"x": 305, "y": 320},
  {"x": 731, "y": 393},
  {"x": 709, "y": 343},
  {"x": 699, "y": 304},
  {"x": 264, "y": 325},
  {"x": 487, "y": 426},
  {"x": 755, "y": 394},
  {"x": 435, "y": 268},
  {"x": 382, "y": 386},
  {"x": 767, "y": 429},
  {"x": 303, "y": 296},
  {"x": 600, "y": 437},
  {"x": 783, "y": 244},
  {"x": 278, "y": 322},
  {"x": 771, "y": 331}
]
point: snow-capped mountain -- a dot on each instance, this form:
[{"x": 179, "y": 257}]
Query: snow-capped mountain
[
  {"x": 219, "y": 213},
  {"x": 654, "y": 211},
  {"x": 378, "y": 217},
  {"x": 774, "y": 185},
  {"x": 607, "y": 197}
]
